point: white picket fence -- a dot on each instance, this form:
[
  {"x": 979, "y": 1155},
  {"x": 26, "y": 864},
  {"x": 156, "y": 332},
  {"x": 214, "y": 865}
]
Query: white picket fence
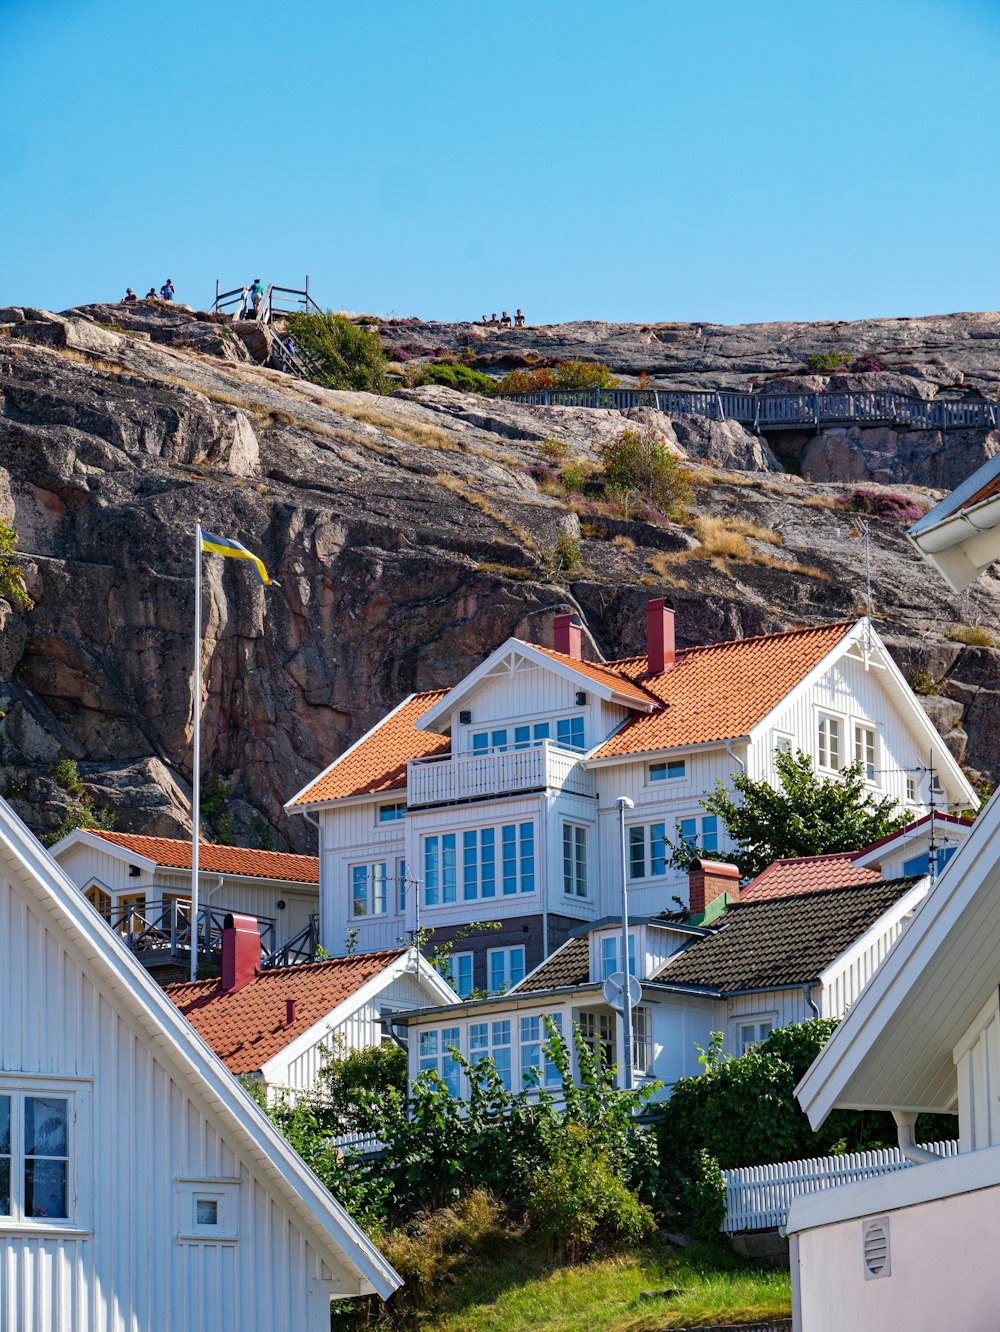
[
  {"x": 357, "y": 1144},
  {"x": 758, "y": 1197}
]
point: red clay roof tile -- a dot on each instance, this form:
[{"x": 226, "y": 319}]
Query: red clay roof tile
[
  {"x": 176, "y": 853},
  {"x": 808, "y": 874},
  {"x": 378, "y": 761},
  {"x": 247, "y": 1028}
]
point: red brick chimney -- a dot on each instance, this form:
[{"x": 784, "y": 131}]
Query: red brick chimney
[
  {"x": 568, "y": 636},
  {"x": 291, "y": 1011},
  {"x": 659, "y": 636},
  {"x": 709, "y": 879},
  {"x": 240, "y": 952}
]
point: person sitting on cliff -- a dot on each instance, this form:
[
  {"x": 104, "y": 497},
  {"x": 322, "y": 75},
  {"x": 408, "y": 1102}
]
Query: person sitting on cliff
[
  {"x": 485, "y": 320},
  {"x": 505, "y": 320},
  {"x": 256, "y": 295},
  {"x": 519, "y": 320},
  {"x": 130, "y": 298},
  {"x": 167, "y": 291},
  {"x": 150, "y": 295},
  {"x": 494, "y": 321}
]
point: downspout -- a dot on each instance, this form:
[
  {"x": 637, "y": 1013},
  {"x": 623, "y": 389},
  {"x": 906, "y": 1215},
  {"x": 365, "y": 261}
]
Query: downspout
[
  {"x": 807, "y": 990},
  {"x": 733, "y": 755},
  {"x": 905, "y": 1123}
]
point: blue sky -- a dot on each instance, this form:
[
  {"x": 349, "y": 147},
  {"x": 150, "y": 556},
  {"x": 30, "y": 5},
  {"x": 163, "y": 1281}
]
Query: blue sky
[{"x": 691, "y": 159}]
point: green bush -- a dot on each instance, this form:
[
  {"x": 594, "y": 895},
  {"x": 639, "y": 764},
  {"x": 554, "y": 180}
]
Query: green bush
[
  {"x": 823, "y": 362},
  {"x": 563, "y": 375},
  {"x": 340, "y": 354},
  {"x": 705, "y": 1197},
  {"x": 921, "y": 682},
  {"x": 11, "y": 579},
  {"x": 457, "y": 377},
  {"x": 637, "y": 463},
  {"x": 66, "y": 774},
  {"x": 972, "y": 635},
  {"x": 567, "y": 554}
]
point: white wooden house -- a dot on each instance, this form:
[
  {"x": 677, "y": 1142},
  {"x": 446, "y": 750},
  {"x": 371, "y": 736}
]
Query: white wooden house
[
  {"x": 916, "y": 1249},
  {"x": 743, "y": 972},
  {"x": 140, "y": 1187},
  {"x": 496, "y": 800},
  {"x": 280, "y": 1025},
  {"x": 142, "y": 887}
]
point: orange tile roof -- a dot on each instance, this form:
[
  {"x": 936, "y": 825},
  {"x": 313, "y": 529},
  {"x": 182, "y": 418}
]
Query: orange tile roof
[
  {"x": 378, "y": 761},
  {"x": 176, "y": 854},
  {"x": 247, "y": 1028},
  {"x": 719, "y": 691},
  {"x": 808, "y": 874},
  {"x": 602, "y": 674}
]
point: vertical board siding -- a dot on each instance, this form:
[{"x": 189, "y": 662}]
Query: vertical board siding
[{"x": 138, "y": 1131}]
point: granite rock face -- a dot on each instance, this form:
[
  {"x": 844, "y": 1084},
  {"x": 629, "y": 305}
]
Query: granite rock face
[{"x": 409, "y": 539}]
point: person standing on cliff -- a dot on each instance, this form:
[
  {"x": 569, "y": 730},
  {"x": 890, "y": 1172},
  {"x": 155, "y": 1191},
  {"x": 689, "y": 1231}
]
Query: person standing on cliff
[
  {"x": 167, "y": 291},
  {"x": 256, "y": 295}
]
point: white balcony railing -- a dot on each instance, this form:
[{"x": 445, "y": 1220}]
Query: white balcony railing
[{"x": 445, "y": 778}]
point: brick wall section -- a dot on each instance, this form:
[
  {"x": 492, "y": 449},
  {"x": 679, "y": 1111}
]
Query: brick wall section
[{"x": 514, "y": 931}]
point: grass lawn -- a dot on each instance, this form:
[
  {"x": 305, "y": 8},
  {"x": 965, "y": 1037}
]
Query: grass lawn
[{"x": 517, "y": 1290}]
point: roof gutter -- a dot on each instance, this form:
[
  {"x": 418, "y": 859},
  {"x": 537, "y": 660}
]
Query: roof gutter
[{"x": 905, "y": 1124}]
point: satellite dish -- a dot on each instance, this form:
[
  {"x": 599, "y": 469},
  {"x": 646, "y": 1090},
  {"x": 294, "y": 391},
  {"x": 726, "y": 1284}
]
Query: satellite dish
[{"x": 614, "y": 990}]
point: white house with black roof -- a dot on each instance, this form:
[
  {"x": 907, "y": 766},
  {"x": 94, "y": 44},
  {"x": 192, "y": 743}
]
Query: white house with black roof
[{"x": 743, "y": 970}]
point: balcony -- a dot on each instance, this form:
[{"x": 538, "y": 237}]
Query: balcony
[{"x": 445, "y": 779}]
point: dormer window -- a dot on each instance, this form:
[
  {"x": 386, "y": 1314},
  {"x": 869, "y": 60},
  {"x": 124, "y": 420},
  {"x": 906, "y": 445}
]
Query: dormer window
[
  {"x": 611, "y": 955},
  {"x": 672, "y": 771}
]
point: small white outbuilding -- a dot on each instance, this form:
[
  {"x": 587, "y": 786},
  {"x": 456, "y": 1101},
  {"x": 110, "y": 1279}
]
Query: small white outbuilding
[{"x": 140, "y": 1187}]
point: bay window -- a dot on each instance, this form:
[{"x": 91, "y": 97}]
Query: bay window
[
  {"x": 513, "y": 845},
  {"x": 574, "y": 860}
]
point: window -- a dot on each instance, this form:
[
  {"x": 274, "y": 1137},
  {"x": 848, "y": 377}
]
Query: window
[
  {"x": 34, "y": 1156},
  {"x": 535, "y": 1062},
  {"x": 569, "y": 732},
  {"x": 782, "y": 744},
  {"x": 368, "y": 890},
  {"x": 703, "y": 833},
  {"x": 642, "y": 1040},
  {"x": 864, "y": 751},
  {"x": 485, "y": 742},
  {"x": 528, "y": 735},
  {"x": 671, "y": 771},
  {"x": 647, "y": 850},
  {"x": 479, "y": 863},
  {"x": 206, "y": 1211},
  {"x": 99, "y": 900},
  {"x": 911, "y": 790},
  {"x": 461, "y": 973},
  {"x": 922, "y": 864},
  {"x": 506, "y": 966},
  {"x": 479, "y": 871},
  {"x": 574, "y": 860},
  {"x": 752, "y": 1033},
  {"x": 500, "y": 739},
  {"x": 611, "y": 955},
  {"x": 440, "y": 869},
  {"x": 598, "y": 1031},
  {"x": 829, "y": 734},
  {"x": 401, "y": 885},
  {"x": 492, "y": 1039},
  {"x": 436, "y": 1057},
  {"x": 390, "y": 813}
]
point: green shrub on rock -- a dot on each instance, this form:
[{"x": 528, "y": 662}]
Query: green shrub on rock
[{"x": 344, "y": 355}]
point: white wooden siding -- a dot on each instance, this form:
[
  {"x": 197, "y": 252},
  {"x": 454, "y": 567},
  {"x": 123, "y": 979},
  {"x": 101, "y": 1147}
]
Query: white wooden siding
[
  {"x": 145, "y": 1131},
  {"x": 977, "y": 1060}
]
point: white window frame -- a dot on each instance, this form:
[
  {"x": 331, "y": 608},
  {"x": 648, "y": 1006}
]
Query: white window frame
[
  {"x": 699, "y": 821},
  {"x": 669, "y": 779},
  {"x": 523, "y": 882},
  {"x": 372, "y": 881},
  {"x": 863, "y": 733},
  {"x": 757, "y": 1021},
  {"x": 401, "y": 885},
  {"x": 575, "y": 849},
  {"x": 912, "y": 794},
  {"x": 784, "y": 742},
  {"x": 492, "y": 1038},
  {"x": 534, "y": 1024},
  {"x": 824, "y": 747},
  {"x": 453, "y": 970},
  {"x": 598, "y": 1031},
  {"x": 77, "y": 1093},
  {"x": 643, "y": 1050},
  {"x": 393, "y": 812},
  {"x": 225, "y": 1193},
  {"x": 439, "y": 1059},
  {"x": 609, "y": 954},
  {"x": 505, "y": 954}
]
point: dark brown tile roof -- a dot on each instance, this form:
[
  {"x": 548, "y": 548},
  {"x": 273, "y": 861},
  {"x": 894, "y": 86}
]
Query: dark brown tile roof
[
  {"x": 568, "y": 965},
  {"x": 785, "y": 940}
]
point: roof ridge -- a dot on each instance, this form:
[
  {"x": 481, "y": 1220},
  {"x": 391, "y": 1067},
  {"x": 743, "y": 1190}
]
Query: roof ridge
[
  {"x": 114, "y": 835},
  {"x": 740, "y": 642}
]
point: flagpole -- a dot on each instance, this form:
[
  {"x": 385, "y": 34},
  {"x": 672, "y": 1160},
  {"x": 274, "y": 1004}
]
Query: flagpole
[{"x": 196, "y": 757}]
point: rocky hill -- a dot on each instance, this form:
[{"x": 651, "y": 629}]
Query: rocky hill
[{"x": 410, "y": 538}]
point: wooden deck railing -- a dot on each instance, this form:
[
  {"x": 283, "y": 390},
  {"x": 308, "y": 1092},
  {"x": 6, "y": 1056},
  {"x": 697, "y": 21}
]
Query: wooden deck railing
[
  {"x": 782, "y": 411},
  {"x": 161, "y": 933}
]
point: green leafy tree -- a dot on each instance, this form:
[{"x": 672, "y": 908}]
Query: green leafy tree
[
  {"x": 805, "y": 815},
  {"x": 343, "y": 355}
]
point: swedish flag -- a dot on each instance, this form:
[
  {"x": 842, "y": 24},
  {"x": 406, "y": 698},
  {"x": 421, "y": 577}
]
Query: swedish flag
[{"x": 236, "y": 550}]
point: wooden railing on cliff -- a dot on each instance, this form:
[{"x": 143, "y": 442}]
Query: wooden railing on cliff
[
  {"x": 275, "y": 302},
  {"x": 781, "y": 411}
]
